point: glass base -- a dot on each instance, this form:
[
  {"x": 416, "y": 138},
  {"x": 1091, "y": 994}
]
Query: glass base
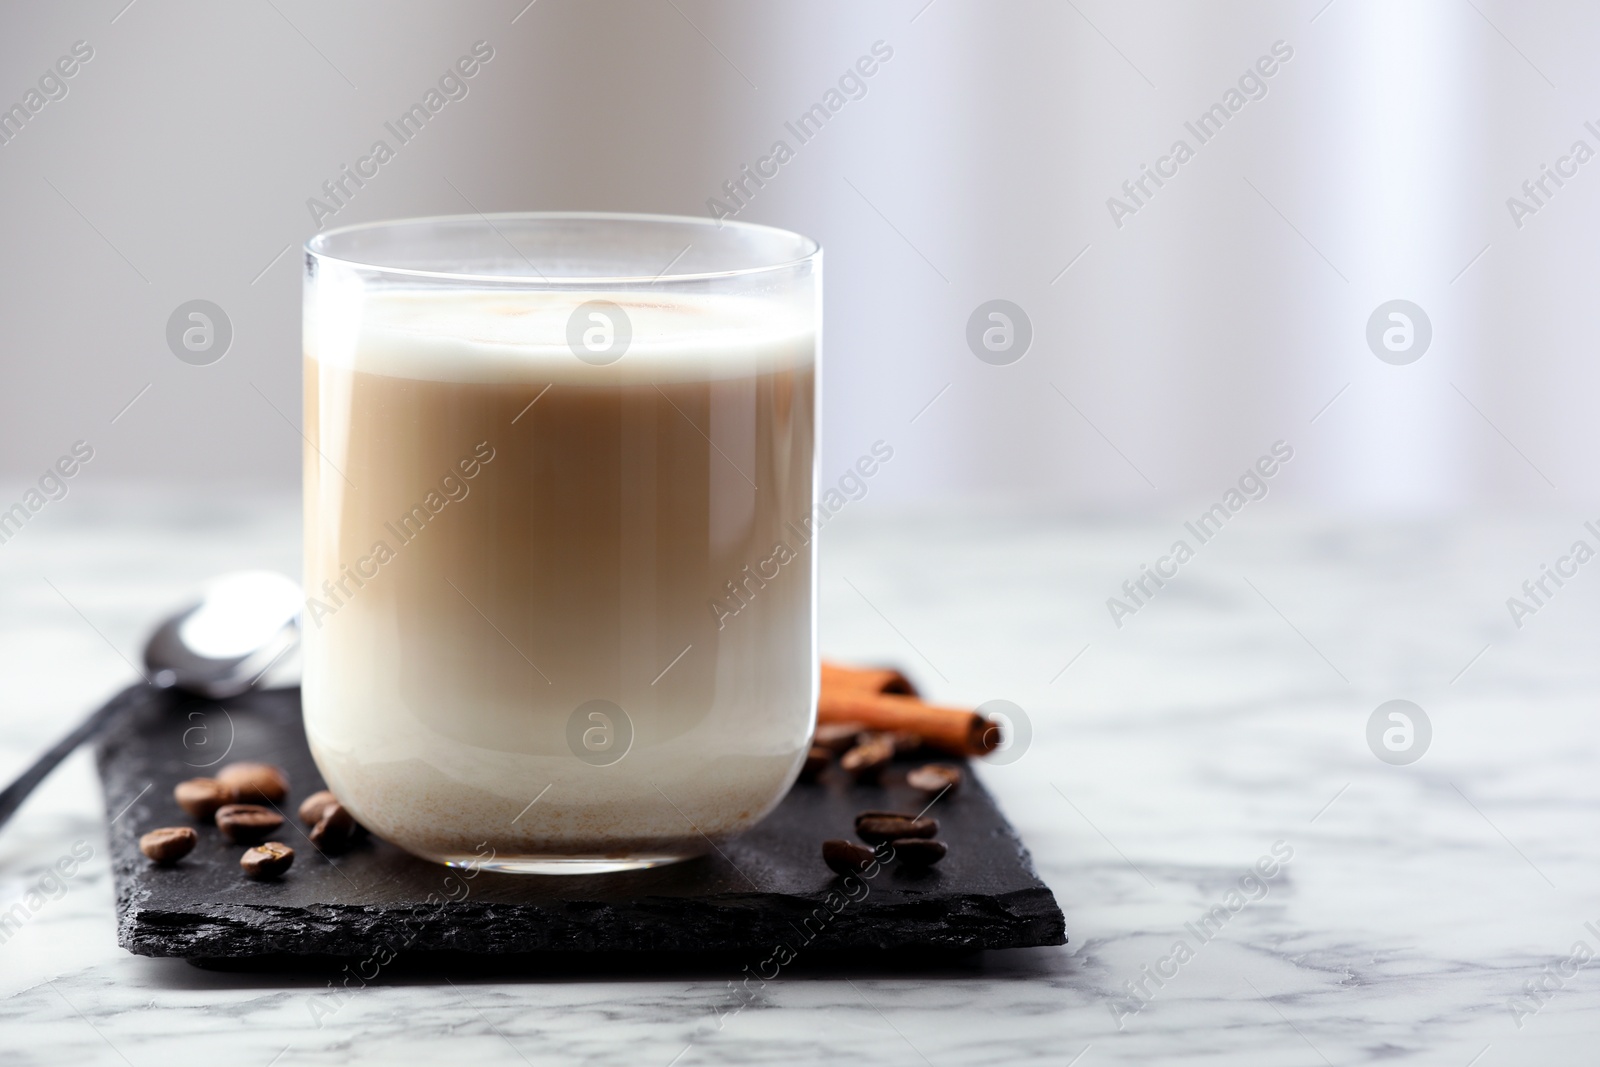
[{"x": 557, "y": 864}]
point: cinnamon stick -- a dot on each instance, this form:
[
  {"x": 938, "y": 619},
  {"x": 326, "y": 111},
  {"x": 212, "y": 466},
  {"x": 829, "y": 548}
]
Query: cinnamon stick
[
  {"x": 958, "y": 731},
  {"x": 871, "y": 679}
]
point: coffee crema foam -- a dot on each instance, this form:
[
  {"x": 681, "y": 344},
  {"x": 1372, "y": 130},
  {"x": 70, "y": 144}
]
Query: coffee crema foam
[{"x": 575, "y": 566}]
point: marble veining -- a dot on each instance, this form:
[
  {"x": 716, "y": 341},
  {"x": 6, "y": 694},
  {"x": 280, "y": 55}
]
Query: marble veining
[{"x": 1429, "y": 913}]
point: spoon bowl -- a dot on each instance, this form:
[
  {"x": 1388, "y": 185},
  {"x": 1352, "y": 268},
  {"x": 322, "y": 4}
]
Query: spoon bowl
[
  {"x": 217, "y": 647},
  {"x": 221, "y": 645}
]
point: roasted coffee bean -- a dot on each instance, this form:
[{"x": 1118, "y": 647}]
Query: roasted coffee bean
[
  {"x": 168, "y": 844},
  {"x": 245, "y": 824},
  {"x": 817, "y": 761},
  {"x": 867, "y": 760},
  {"x": 918, "y": 851},
  {"x": 906, "y": 741},
  {"x": 335, "y": 831},
  {"x": 201, "y": 797},
  {"x": 846, "y": 857},
  {"x": 878, "y": 827},
  {"x": 312, "y": 807},
  {"x": 266, "y": 862},
  {"x": 837, "y": 736},
  {"x": 255, "y": 783},
  {"x": 935, "y": 778}
]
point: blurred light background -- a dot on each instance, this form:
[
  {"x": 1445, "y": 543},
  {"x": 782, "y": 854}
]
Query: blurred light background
[{"x": 1229, "y": 311}]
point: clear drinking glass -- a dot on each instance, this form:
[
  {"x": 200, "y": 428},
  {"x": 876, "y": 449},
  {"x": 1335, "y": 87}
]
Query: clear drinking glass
[{"x": 559, "y": 539}]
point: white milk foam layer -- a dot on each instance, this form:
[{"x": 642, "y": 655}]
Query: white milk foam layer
[{"x": 512, "y": 336}]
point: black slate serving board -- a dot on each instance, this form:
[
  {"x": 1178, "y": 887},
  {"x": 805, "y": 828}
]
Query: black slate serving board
[{"x": 765, "y": 889}]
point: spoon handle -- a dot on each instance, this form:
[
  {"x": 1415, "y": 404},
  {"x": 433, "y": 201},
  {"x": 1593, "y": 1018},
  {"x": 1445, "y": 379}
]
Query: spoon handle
[{"x": 14, "y": 794}]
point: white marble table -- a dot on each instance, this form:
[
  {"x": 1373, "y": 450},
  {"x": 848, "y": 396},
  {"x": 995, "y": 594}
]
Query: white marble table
[{"x": 1228, "y": 715}]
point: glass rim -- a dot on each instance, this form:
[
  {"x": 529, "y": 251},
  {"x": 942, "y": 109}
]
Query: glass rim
[{"x": 316, "y": 245}]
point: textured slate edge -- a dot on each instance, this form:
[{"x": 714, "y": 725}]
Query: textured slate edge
[
  {"x": 1023, "y": 919},
  {"x": 217, "y": 933}
]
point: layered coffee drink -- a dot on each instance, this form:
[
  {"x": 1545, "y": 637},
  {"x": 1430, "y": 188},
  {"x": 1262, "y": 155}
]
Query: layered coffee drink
[{"x": 560, "y": 609}]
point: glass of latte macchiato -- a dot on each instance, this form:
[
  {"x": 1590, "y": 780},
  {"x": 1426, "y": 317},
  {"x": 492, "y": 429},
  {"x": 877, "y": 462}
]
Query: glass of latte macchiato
[{"x": 559, "y": 532}]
